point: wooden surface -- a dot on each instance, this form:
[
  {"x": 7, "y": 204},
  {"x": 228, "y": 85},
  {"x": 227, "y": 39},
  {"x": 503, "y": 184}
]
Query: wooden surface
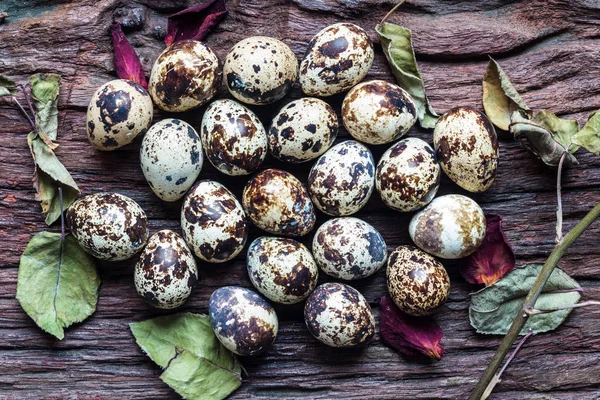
[{"x": 551, "y": 49}]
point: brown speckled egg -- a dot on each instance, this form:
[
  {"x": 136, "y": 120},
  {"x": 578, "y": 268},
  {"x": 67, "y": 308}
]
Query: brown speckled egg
[
  {"x": 242, "y": 320},
  {"x": 260, "y": 70},
  {"x": 342, "y": 180},
  {"x": 378, "y": 112},
  {"x": 109, "y": 226},
  {"x": 186, "y": 75},
  {"x": 118, "y": 112},
  {"x": 408, "y": 175},
  {"x": 451, "y": 226},
  {"x": 417, "y": 282},
  {"x": 166, "y": 272},
  {"x": 213, "y": 222},
  {"x": 277, "y": 202},
  {"x": 467, "y": 148},
  {"x": 339, "y": 316},
  {"x": 302, "y": 130},
  {"x": 233, "y": 138},
  {"x": 337, "y": 58},
  {"x": 282, "y": 269}
]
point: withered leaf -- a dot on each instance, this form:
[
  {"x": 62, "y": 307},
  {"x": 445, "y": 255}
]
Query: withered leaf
[
  {"x": 7, "y": 86},
  {"x": 44, "y": 91},
  {"x": 127, "y": 62},
  {"x": 195, "y": 22},
  {"x": 589, "y": 136}
]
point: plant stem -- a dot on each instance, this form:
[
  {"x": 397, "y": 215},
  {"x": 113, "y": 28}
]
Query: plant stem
[
  {"x": 391, "y": 11},
  {"x": 62, "y": 217},
  {"x": 536, "y": 311},
  {"x": 559, "y": 211},
  {"x": 530, "y": 300},
  {"x": 14, "y": 99}
]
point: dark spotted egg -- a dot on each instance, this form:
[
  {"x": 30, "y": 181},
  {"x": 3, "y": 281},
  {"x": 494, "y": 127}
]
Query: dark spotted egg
[
  {"x": 166, "y": 272},
  {"x": 171, "y": 158},
  {"x": 109, "y": 226},
  {"x": 186, "y": 75},
  {"x": 339, "y": 316},
  {"x": 342, "y": 180},
  {"x": 378, "y": 112},
  {"x": 260, "y": 70},
  {"x": 408, "y": 175},
  {"x": 417, "y": 282},
  {"x": 242, "y": 320},
  {"x": 337, "y": 58},
  {"x": 213, "y": 222},
  {"x": 282, "y": 269},
  {"x": 277, "y": 202},
  {"x": 233, "y": 137},
  {"x": 118, "y": 112},
  {"x": 302, "y": 130},
  {"x": 349, "y": 248}
]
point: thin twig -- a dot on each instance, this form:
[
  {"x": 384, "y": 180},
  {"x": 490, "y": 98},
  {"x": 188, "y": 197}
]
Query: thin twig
[
  {"x": 27, "y": 97},
  {"x": 559, "y": 209},
  {"x": 536, "y": 311},
  {"x": 391, "y": 11},
  {"x": 14, "y": 99}
]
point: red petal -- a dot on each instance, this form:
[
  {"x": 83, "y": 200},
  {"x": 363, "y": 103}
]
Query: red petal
[
  {"x": 195, "y": 22},
  {"x": 408, "y": 335},
  {"x": 127, "y": 62},
  {"x": 493, "y": 259}
]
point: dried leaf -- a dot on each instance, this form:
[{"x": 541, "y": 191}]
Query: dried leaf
[
  {"x": 195, "y": 22},
  {"x": 127, "y": 62},
  {"x": 397, "y": 46},
  {"x": 589, "y": 136},
  {"x": 7, "y": 86},
  {"x": 44, "y": 91}
]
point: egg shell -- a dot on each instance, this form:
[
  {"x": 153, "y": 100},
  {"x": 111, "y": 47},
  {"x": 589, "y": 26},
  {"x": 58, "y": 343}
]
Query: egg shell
[
  {"x": 451, "y": 226},
  {"x": 118, "y": 111},
  {"x": 260, "y": 70},
  {"x": 282, "y": 269},
  {"x": 349, "y": 248},
  {"x": 342, "y": 180},
  {"x": 186, "y": 75},
  {"x": 242, "y": 320},
  {"x": 337, "y": 58},
  {"x": 408, "y": 175},
  {"x": 171, "y": 158},
  {"x": 467, "y": 148},
  {"x": 277, "y": 202},
  {"x": 233, "y": 137},
  {"x": 109, "y": 226},
  {"x": 378, "y": 112},
  {"x": 302, "y": 130},
  {"x": 339, "y": 316},
  {"x": 417, "y": 282},
  {"x": 166, "y": 271},
  {"x": 213, "y": 222}
]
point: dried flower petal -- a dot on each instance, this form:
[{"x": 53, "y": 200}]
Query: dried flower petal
[
  {"x": 195, "y": 22},
  {"x": 127, "y": 62},
  {"x": 493, "y": 259},
  {"x": 408, "y": 335}
]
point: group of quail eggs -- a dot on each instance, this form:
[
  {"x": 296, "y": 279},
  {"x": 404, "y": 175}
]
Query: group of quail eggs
[{"x": 258, "y": 71}]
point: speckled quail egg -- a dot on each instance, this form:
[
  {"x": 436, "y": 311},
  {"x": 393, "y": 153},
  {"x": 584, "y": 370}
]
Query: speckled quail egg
[
  {"x": 166, "y": 272},
  {"x": 213, "y": 222},
  {"x": 186, "y": 75},
  {"x": 417, "y": 282},
  {"x": 277, "y": 202},
  {"x": 242, "y": 320},
  {"x": 171, "y": 158},
  {"x": 260, "y": 70},
  {"x": 109, "y": 226},
  {"x": 408, "y": 175},
  {"x": 378, "y": 112},
  {"x": 233, "y": 137},
  {"x": 467, "y": 148},
  {"x": 451, "y": 226},
  {"x": 339, "y": 316},
  {"x": 118, "y": 112},
  {"x": 337, "y": 58},
  {"x": 342, "y": 180},
  {"x": 302, "y": 130},
  {"x": 282, "y": 269}
]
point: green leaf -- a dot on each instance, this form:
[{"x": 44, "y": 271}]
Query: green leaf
[
  {"x": 44, "y": 90},
  {"x": 197, "y": 365},
  {"x": 7, "y": 86},
  {"x": 58, "y": 283},
  {"x": 397, "y": 46},
  {"x": 494, "y": 308},
  {"x": 589, "y": 136}
]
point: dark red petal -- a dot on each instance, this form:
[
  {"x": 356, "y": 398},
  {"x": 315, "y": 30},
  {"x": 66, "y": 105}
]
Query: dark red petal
[
  {"x": 493, "y": 259},
  {"x": 408, "y": 335},
  {"x": 127, "y": 62},
  {"x": 195, "y": 22}
]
